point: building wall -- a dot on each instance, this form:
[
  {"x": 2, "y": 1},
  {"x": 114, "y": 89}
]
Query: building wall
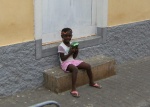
[
  {"x": 17, "y": 17},
  {"x": 19, "y": 68},
  {"x": 16, "y": 21},
  {"x": 127, "y": 11}
]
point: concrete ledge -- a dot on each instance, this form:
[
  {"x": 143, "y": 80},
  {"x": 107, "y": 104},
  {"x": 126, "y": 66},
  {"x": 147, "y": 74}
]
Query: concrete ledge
[
  {"x": 51, "y": 49},
  {"x": 58, "y": 81}
]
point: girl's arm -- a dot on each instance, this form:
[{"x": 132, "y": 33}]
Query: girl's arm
[
  {"x": 75, "y": 54},
  {"x": 64, "y": 57},
  {"x": 61, "y": 52}
]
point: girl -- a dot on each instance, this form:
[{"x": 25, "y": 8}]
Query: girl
[{"x": 68, "y": 62}]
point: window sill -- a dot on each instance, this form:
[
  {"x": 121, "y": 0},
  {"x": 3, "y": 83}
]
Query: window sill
[{"x": 51, "y": 49}]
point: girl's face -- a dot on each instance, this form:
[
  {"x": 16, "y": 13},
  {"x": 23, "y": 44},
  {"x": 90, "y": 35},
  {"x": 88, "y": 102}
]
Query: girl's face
[{"x": 67, "y": 37}]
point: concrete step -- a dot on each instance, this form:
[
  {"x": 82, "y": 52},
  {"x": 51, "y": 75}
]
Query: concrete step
[{"x": 57, "y": 81}]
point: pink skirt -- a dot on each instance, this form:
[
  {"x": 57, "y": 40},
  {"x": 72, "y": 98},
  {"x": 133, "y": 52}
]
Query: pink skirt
[{"x": 65, "y": 64}]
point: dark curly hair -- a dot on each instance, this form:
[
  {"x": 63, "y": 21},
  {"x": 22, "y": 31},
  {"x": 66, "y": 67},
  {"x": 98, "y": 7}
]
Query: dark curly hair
[{"x": 65, "y": 31}]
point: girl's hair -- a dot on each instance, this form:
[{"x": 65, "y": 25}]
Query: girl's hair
[{"x": 65, "y": 31}]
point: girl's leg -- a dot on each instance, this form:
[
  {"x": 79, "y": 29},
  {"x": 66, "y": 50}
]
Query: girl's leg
[
  {"x": 87, "y": 67},
  {"x": 74, "y": 70}
]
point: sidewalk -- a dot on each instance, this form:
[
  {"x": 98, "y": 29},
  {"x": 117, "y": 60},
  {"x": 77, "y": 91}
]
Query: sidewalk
[{"x": 129, "y": 88}]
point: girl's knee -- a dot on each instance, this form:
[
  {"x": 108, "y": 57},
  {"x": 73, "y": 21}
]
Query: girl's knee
[
  {"x": 75, "y": 69},
  {"x": 88, "y": 67},
  {"x": 72, "y": 68}
]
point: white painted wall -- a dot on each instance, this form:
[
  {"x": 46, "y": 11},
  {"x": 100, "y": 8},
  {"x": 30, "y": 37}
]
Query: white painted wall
[
  {"x": 82, "y": 16},
  {"x": 58, "y": 14},
  {"x": 102, "y": 13},
  {"x": 38, "y": 19}
]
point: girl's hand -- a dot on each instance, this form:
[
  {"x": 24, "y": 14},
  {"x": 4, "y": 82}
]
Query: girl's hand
[
  {"x": 72, "y": 50},
  {"x": 75, "y": 54},
  {"x": 76, "y": 50}
]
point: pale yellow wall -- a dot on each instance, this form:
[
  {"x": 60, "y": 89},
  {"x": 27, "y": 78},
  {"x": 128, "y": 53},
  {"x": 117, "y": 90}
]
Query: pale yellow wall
[
  {"x": 127, "y": 11},
  {"x": 16, "y": 21}
]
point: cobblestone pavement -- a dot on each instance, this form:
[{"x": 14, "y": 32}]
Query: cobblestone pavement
[{"x": 129, "y": 88}]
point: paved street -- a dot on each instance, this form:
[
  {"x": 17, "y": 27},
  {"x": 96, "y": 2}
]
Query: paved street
[{"x": 129, "y": 88}]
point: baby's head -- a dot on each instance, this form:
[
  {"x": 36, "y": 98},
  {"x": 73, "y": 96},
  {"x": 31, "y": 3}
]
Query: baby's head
[{"x": 66, "y": 34}]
